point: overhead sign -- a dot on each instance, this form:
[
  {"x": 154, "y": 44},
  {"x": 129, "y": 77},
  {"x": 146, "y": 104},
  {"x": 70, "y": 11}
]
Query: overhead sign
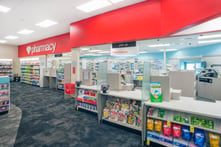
[
  {"x": 124, "y": 49},
  {"x": 58, "y": 55},
  {"x": 54, "y": 45},
  {"x": 42, "y": 48}
]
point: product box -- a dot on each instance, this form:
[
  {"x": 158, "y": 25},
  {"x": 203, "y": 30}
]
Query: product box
[{"x": 155, "y": 92}]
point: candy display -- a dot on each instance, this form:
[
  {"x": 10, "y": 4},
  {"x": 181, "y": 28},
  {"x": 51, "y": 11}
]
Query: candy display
[
  {"x": 4, "y": 94},
  {"x": 150, "y": 124},
  {"x": 167, "y": 129},
  {"x": 123, "y": 110},
  {"x": 214, "y": 140},
  {"x": 87, "y": 106},
  {"x": 158, "y": 125},
  {"x": 197, "y": 121},
  {"x": 199, "y": 137}
]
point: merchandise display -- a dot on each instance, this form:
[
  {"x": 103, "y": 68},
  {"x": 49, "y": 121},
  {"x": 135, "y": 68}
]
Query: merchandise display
[
  {"x": 60, "y": 78},
  {"x": 124, "y": 111},
  {"x": 177, "y": 130},
  {"x": 6, "y": 69},
  {"x": 30, "y": 72},
  {"x": 87, "y": 99},
  {"x": 4, "y": 94},
  {"x": 155, "y": 92}
]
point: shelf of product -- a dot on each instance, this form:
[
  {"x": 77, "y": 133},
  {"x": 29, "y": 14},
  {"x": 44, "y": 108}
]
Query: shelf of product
[
  {"x": 6, "y": 69},
  {"x": 4, "y": 94},
  {"x": 30, "y": 73},
  {"x": 124, "y": 112},
  {"x": 60, "y": 79},
  {"x": 172, "y": 127},
  {"x": 87, "y": 99}
]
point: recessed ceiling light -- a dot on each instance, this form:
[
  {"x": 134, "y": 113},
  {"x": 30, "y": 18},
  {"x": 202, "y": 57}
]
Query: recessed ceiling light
[
  {"x": 94, "y": 51},
  {"x": 209, "y": 36},
  {"x": 143, "y": 52},
  {"x": 116, "y": 1},
  {"x": 46, "y": 23},
  {"x": 25, "y": 32},
  {"x": 84, "y": 49},
  {"x": 159, "y": 45},
  {"x": 168, "y": 50},
  {"x": 3, "y": 41},
  {"x": 4, "y": 9},
  {"x": 209, "y": 41},
  {"x": 93, "y": 5},
  {"x": 11, "y": 37},
  {"x": 103, "y": 52}
]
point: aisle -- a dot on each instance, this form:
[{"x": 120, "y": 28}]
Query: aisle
[{"x": 49, "y": 120}]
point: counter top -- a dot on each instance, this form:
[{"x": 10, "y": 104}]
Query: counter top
[
  {"x": 94, "y": 87},
  {"x": 135, "y": 95},
  {"x": 192, "y": 106}
]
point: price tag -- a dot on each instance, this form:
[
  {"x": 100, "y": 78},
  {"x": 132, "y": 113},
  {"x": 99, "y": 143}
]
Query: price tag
[
  {"x": 148, "y": 142},
  {"x": 168, "y": 123},
  {"x": 192, "y": 129},
  {"x": 77, "y": 108},
  {"x": 83, "y": 100}
]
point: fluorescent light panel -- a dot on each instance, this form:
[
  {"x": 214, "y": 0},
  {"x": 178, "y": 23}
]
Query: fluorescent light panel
[
  {"x": 5, "y": 59},
  {"x": 168, "y": 50},
  {"x": 25, "y": 32},
  {"x": 209, "y": 36},
  {"x": 116, "y": 1},
  {"x": 93, "y": 5},
  {"x": 84, "y": 49},
  {"x": 46, "y": 23},
  {"x": 92, "y": 51},
  {"x": 159, "y": 45},
  {"x": 209, "y": 41},
  {"x": 29, "y": 59},
  {"x": 10, "y": 37},
  {"x": 3, "y": 41},
  {"x": 4, "y": 9},
  {"x": 143, "y": 52}
]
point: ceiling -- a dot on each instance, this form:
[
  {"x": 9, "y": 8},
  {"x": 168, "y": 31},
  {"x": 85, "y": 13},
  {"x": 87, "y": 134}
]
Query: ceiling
[{"x": 24, "y": 14}]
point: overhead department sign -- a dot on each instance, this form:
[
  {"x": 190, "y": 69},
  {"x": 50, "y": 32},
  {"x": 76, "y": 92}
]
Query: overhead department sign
[{"x": 42, "y": 48}]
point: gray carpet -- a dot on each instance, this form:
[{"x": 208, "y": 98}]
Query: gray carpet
[
  {"x": 9, "y": 124},
  {"x": 50, "y": 121}
]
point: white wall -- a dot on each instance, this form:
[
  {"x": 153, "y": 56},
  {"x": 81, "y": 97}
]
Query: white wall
[{"x": 10, "y": 52}]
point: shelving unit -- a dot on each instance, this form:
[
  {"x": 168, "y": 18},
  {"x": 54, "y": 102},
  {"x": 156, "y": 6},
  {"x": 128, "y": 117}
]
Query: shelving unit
[
  {"x": 30, "y": 72},
  {"x": 4, "y": 94},
  {"x": 186, "y": 112},
  {"x": 60, "y": 78},
  {"x": 87, "y": 98},
  {"x": 122, "y": 108},
  {"x": 6, "y": 69}
]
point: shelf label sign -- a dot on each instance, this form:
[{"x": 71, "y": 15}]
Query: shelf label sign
[
  {"x": 42, "y": 48},
  {"x": 192, "y": 129}
]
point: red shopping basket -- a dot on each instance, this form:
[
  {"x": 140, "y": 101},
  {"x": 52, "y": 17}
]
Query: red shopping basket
[{"x": 70, "y": 88}]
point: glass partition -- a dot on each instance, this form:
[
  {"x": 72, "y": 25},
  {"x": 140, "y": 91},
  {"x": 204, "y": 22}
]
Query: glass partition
[
  {"x": 146, "y": 81},
  {"x": 102, "y": 74}
]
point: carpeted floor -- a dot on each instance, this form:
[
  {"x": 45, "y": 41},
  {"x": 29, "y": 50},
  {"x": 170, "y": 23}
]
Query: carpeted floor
[{"x": 49, "y": 120}]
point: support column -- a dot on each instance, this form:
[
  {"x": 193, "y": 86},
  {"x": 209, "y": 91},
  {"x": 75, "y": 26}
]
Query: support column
[{"x": 75, "y": 64}]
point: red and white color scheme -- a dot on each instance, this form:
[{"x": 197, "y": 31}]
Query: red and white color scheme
[{"x": 53, "y": 45}]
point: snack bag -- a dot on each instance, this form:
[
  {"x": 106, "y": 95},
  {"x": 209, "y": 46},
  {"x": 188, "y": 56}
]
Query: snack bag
[
  {"x": 214, "y": 140},
  {"x": 176, "y": 130},
  {"x": 131, "y": 119},
  {"x": 122, "y": 117},
  {"x": 106, "y": 113},
  {"x": 150, "y": 124},
  {"x": 186, "y": 134},
  {"x": 166, "y": 129},
  {"x": 160, "y": 113},
  {"x": 114, "y": 115},
  {"x": 158, "y": 125},
  {"x": 150, "y": 112},
  {"x": 199, "y": 137}
]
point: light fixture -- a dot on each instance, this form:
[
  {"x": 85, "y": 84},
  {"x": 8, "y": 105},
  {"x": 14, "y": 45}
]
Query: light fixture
[
  {"x": 209, "y": 36},
  {"x": 143, "y": 52},
  {"x": 5, "y": 59},
  {"x": 3, "y": 41},
  {"x": 46, "y": 23},
  {"x": 4, "y": 9},
  {"x": 168, "y": 50},
  {"x": 25, "y": 32},
  {"x": 104, "y": 52},
  {"x": 159, "y": 45},
  {"x": 92, "y": 51},
  {"x": 93, "y": 5},
  {"x": 11, "y": 37},
  {"x": 84, "y": 49},
  {"x": 116, "y": 1},
  {"x": 209, "y": 41}
]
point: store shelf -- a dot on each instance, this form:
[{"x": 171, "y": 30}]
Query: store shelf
[
  {"x": 159, "y": 142},
  {"x": 186, "y": 124},
  {"x": 123, "y": 124},
  {"x": 86, "y": 101},
  {"x": 87, "y": 109},
  {"x": 89, "y": 87}
]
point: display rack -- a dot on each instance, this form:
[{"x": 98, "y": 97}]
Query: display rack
[
  {"x": 30, "y": 72},
  {"x": 87, "y": 98},
  {"x": 122, "y": 108},
  {"x": 6, "y": 69},
  {"x": 187, "y": 113},
  {"x": 4, "y": 94},
  {"x": 60, "y": 78}
]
